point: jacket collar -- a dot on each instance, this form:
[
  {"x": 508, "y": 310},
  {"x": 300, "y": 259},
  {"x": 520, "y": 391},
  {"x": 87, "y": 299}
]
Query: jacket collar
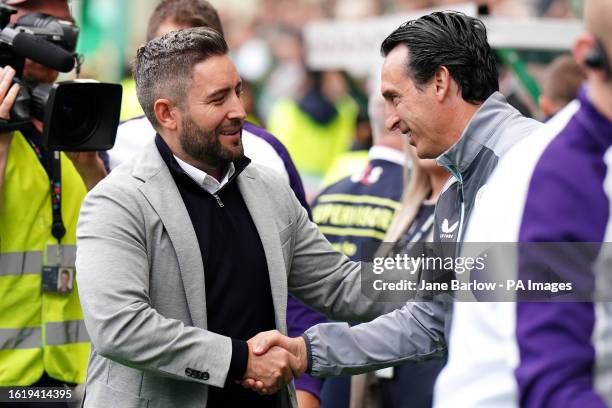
[{"x": 484, "y": 125}]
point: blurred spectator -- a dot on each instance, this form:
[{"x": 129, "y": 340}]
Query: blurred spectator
[
  {"x": 561, "y": 83},
  {"x": 317, "y": 126},
  {"x": 554, "y": 8},
  {"x": 289, "y": 73},
  {"x": 355, "y": 159}
]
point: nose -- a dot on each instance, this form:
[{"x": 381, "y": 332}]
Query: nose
[
  {"x": 237, "y": 109},
  {"x": 392, "y": 120}
]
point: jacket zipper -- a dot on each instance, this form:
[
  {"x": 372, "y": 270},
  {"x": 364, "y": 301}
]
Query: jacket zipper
[{"x": 218, "y": 200}]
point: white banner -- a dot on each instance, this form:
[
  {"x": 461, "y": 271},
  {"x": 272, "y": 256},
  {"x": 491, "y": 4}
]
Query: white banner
[{"x": 354, "y": 45}]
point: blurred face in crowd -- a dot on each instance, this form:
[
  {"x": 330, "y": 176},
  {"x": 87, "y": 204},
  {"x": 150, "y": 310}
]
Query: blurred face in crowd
[
  {"x": 210, "y": 129},
  {"x": 57, "y": 8},
  {"x": 416, "y": 111},
  {"x": 167, "y": 26}
]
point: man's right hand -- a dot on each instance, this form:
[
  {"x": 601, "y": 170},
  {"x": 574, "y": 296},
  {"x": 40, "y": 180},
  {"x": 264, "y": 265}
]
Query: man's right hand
[
  {"x": 271, "y": 370},
  {"x": 8, "y": 91},
  {"x": 268, "y": 345},
  {"x": 8, "y": 94}
]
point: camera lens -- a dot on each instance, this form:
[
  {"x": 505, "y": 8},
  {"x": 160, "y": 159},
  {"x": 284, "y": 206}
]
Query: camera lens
[
  {"x": 78, "y": 117},
  {"x": 81, "y": 115}
]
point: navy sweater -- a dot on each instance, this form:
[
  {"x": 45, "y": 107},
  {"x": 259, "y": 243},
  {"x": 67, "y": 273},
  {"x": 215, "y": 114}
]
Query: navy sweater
[{"x": 238, "y": 294}]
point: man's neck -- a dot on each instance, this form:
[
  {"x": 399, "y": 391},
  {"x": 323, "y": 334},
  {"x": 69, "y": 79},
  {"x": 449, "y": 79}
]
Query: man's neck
[
  {"x": 460, "y": 116},
  {"x": 216, "y": 172}
]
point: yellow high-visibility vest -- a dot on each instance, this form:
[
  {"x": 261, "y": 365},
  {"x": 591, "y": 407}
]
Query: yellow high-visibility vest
[
  {"x": 38, "y": 331},
  {"x": 313, "y": 147},
  {"x": 130, "y": 107}
]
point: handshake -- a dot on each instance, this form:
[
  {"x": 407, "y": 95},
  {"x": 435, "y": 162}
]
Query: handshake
[{"x": 274, "y": 360}]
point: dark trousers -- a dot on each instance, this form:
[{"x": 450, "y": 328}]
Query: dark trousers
[{"x": 411, "y": 386}]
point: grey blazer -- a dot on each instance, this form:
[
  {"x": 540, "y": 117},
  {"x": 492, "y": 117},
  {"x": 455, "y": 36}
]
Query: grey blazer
[{"x": 141, "y": 284}]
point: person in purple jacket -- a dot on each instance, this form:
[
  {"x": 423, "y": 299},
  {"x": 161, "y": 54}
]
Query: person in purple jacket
[
  {"x": 554, "y": 187},
  {"x": 569, "y": 201},
  {"x": 259, "y": 145}
]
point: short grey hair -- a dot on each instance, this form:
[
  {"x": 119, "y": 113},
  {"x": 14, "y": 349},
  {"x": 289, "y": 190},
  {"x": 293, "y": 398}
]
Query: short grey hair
[{"x": 163, "y": 66}]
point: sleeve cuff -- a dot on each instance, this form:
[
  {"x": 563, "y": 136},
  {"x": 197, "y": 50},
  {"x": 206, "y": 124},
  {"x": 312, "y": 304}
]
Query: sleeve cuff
[
  {"x": 240, "y": 357},
  {"x": 308, "y": 354}
]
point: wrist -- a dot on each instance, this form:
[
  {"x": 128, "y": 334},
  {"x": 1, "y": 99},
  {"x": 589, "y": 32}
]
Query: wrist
[
  {"x": 5, "y": 139},
  {"x": 304, "y": 353}
]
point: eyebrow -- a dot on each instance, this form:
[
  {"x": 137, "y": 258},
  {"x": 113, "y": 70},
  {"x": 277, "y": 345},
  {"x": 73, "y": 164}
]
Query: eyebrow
[
  {"x": 389, "y": 94},
  {"x": 222, "y": 91},
  {"x": 219, "y": 92}
]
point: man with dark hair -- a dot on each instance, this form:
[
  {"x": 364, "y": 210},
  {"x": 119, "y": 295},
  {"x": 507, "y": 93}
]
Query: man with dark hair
[
  {"x": 439, "y": 83},
  {"x": 188, "y": 250},
  {"x": 454, "y": 41},
  {"x": 553, "y": 188}
]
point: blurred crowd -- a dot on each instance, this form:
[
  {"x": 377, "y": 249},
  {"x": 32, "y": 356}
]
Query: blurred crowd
[{"x": 284, "y": 95}]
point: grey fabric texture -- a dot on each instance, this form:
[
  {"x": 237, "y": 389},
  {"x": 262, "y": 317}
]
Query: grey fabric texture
[{"x": 413, "y": 333}]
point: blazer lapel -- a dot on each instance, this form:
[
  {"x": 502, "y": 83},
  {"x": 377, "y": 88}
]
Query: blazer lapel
[
  {"x": 163, "y": 195},
  {"x": 260, "y": 209}
]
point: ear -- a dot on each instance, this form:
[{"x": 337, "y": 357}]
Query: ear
[
  {"x": 441, "y": 83},
  {"x": 584, "y": 44},
  {"x": 546, "y": 106},
  {"x": 166, "y": 114}
]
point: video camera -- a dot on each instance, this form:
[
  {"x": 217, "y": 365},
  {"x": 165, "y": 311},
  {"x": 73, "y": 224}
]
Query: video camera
[{"x": 78, "y": 115}]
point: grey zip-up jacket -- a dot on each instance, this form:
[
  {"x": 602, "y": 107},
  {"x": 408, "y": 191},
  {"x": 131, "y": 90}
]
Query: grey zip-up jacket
[{"x": 419, "y": 330}]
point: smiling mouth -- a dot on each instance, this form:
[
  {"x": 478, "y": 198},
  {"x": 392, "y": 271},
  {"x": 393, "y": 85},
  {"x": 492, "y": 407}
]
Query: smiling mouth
[{"x": 231, "y": 132}]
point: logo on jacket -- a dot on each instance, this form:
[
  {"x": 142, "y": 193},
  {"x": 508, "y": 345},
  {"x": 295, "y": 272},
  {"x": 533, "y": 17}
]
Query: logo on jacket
[
  {"x": 447, "y": 231},
  {"x": 369, "y": 175}
]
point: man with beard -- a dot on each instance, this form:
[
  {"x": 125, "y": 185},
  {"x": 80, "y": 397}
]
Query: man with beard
[
  {"x": 188, "y": 250},
  {"x": 259, "y": 145}
]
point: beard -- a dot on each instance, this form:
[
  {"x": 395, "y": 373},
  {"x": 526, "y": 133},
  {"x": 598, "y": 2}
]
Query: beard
[{"x": 205, "y": 146}]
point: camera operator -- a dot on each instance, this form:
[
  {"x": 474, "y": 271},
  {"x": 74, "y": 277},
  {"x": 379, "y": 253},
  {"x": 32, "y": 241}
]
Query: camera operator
[{"x": 43, "y": 340}]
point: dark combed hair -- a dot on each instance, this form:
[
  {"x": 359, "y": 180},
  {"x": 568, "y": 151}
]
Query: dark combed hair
[
  {"x": 163, "y": 67},
  {"x": 453, "y": 40},
  {"x": 190, "y": 13}
]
